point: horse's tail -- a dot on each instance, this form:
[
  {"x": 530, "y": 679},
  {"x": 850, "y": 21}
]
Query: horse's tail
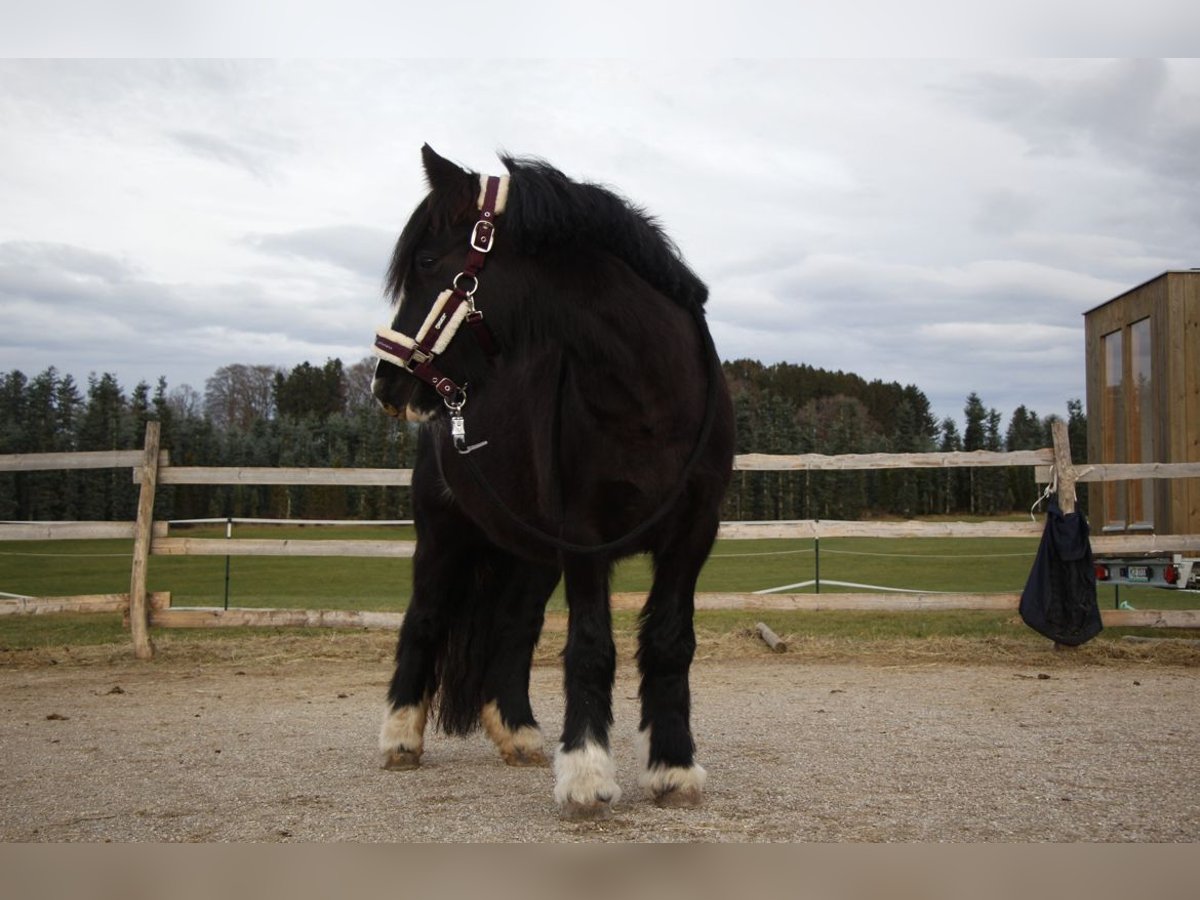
[
  {"x": 462, "y": 659},
  {"x": 488, "y": 644}
]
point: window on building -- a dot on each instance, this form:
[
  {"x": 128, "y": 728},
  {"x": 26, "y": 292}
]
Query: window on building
[
  {"x": 1141, "y": 423},
  {"x": 1128, "y": 424},
  {"x": 1112, "y": 427}
]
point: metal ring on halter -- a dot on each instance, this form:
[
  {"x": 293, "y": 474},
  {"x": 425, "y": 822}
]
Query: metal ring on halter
[
  {"x": 457, "y": 402},
  {"x": 474, "y": 287}
]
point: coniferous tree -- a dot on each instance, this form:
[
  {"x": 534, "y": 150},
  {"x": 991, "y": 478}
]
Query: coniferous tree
[
  {"x": 12, "y": 437},
  {"x": 952, "y": 489},
  {"x": 994, "y": 493},
  {"x": 1026, "y": 431},
  {"x": 105, "y": 495},
  {"x": 324, "y": 415},
  {"x": 973, "y": 439},
  {"x": 69, "y": 409},
  {"x": 903, "y": 499},
  {"x": 37, "y": 491}
]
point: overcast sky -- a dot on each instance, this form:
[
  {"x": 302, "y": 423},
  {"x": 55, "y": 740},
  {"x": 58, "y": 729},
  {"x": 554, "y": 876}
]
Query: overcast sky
[{"x": 944, "y": 224}]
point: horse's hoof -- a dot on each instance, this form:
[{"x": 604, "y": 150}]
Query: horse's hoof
[
  {"x": 401, "y": 760},
  {"x": 591, "y": 811},
  {"x": 527, "y": 759},
  {"x": 680, "y": 798}
]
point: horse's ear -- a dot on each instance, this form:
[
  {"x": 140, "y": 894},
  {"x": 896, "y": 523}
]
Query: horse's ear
[{"x": 445, "y": 178}]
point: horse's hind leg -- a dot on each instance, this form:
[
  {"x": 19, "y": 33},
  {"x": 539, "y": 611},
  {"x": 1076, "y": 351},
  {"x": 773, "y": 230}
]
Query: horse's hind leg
[
  {"x": 585, "y": 783},
  {"x": 522, "y": 590},
  {"x": 666, "y": 644}
]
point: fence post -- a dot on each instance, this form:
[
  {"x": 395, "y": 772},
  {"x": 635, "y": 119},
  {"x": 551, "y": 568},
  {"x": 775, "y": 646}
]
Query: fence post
[
  {"x": 1065, "y": 473},
  {"x": 817, "y": 562},
  {"x": 228, "y": 536},
  {"x": 1062, "y": 466},
  {"x": 139, "y": 612}
]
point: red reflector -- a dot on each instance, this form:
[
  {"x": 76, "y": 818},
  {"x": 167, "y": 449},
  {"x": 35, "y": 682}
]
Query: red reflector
[
  {"x": 1101, "y": 572},
  {"x": 1171, "y": 574}
]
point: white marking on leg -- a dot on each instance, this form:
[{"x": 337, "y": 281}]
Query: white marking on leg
[
  {"x": 403, "y": 730},
  {"x": 585, "y": 777},
  {"x": 660, "y": 780},
  {"x": 522, "y": 746}
]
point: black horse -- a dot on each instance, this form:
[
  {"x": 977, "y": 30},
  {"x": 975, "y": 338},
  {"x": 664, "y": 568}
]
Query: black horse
[{"x": 587, "y": 420}]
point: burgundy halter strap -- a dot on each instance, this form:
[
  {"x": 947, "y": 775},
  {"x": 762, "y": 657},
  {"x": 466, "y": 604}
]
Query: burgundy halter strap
[{"x": 418, "y": 359}]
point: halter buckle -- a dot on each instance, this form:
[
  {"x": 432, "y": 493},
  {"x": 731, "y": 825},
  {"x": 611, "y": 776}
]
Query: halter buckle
[{"x": 482, "y": 235}]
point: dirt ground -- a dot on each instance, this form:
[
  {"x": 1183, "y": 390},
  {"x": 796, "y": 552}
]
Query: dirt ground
[{"x": 275, "y": 741}]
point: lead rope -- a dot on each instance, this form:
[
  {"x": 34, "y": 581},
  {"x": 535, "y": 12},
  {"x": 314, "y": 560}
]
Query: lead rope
[{"x": 570, "y": 547}]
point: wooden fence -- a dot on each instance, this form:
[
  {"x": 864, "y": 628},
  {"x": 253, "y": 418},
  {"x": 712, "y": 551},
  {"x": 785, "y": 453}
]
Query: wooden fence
[{"x": 152, "y": 468}]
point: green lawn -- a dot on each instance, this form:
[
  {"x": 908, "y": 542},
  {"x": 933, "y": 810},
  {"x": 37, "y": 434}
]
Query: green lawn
[{"x": 968, "y": 565}]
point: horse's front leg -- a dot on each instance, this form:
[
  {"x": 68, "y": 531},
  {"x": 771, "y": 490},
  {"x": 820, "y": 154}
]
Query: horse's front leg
[
  {"x": 585, "y": 783},
  {"x": 442, "y": 571}
]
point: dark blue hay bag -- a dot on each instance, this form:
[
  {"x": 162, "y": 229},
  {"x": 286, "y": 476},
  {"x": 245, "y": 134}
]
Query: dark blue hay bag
[{"x": 1059, "y": 600}]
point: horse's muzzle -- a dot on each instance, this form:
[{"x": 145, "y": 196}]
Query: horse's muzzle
[{"x": 391, "y": 387}]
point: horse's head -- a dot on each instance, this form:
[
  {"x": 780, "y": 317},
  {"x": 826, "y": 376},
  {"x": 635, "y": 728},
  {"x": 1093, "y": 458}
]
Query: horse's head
[
  {"x": 562, "y": 251},
  {"x": 434, "y": 257}
]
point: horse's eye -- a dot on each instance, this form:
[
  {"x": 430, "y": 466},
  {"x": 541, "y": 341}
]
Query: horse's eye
[{"x": 426, "y": 261}]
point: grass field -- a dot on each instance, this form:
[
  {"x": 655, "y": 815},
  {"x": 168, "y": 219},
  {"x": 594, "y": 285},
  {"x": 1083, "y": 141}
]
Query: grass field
[
  {"x": 968, "y": 565},
  {"x": 46, "y": 568}
]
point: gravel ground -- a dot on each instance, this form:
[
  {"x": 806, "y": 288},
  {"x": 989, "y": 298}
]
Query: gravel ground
[{"x": 282, "y": 748}]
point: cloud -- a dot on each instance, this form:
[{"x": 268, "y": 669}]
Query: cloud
[
  {"x": 360, "y": 249},
  {"x": 64, "y": 257},
  {"x": 1136, "y": 112},
  {"x": 1005, "y": 212},
  {"x": 83, "y": 311},
  {"x": 940, "y": 223},
  {"x": 257, "y": 156},
  {"x": 999, "y": 338}
]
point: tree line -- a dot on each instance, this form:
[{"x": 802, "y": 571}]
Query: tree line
[
  {"x": 792, "y": 409},
  {"x": 323, "y": 416},
  {"x": 318, "y": 416}
]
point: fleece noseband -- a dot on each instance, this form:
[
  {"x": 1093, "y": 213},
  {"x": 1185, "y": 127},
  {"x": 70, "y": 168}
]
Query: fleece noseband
[{"x": 418, "y": 354}]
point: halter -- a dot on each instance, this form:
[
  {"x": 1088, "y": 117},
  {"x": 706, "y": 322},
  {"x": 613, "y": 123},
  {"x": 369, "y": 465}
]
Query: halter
[{"x": 417, "y": 355}]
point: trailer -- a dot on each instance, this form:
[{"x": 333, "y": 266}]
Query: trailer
[
  {"x": 1175, "y": 571},
  {"x": 1143, "y": 406}
]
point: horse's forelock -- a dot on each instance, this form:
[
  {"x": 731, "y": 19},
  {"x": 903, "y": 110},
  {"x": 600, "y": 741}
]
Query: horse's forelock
[
  {"x": 448, "y": 206},
  {"x": 406, "y": 245}
]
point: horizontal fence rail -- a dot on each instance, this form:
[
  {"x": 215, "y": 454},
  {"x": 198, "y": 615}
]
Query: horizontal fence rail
[
  {"x": 762, "y": 462},
  {"x": 80, "y": 459},
  {"x": 72, "y": 531},
  {"x": 81, "y": 604},
  {"x": 807, "y": 529},
  {"x": 1127, "y": 471},
  {"x": 151, "y": 467},
  {"x": 168, "y": 546},
  {"x": 281, "y": 475}
]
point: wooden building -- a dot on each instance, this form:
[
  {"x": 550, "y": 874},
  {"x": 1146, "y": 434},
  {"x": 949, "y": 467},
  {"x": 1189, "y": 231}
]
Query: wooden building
[{"x": 1143, "y": 403}]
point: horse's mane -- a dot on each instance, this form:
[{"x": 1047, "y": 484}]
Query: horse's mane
[
  {"x": 406, "y": 248},
  {"x": 546, "y": 209}
]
